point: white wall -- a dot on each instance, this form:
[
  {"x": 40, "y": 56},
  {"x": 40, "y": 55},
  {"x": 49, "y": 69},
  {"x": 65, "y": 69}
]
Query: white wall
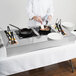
[
  {"x": 65, "y": 9},
  {"x": 13, "y": 11}
]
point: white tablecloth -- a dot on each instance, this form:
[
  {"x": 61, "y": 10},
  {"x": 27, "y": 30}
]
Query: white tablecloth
[{"x": 37, "y": 59}]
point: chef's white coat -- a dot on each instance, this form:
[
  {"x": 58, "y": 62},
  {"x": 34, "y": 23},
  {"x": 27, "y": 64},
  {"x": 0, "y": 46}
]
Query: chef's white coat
[{"x": 39, "y": 8}]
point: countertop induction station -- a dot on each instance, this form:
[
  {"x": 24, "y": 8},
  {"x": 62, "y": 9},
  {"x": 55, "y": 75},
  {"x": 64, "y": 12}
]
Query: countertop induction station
[{"x": 34, "y": 42}]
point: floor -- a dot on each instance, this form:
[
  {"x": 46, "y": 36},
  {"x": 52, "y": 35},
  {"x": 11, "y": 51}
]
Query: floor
[{"x": 61, "y": 69}]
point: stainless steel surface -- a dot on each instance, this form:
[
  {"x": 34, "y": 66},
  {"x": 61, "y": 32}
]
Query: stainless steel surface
[{"x": 35, "y": 43}]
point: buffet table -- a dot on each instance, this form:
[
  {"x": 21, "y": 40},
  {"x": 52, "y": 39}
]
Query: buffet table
[{"x": 36, "y": 52}]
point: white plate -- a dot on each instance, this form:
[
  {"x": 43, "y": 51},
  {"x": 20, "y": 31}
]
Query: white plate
[
  {"x": 55, "y": 36},
  {"x": 69, "y": 25}
]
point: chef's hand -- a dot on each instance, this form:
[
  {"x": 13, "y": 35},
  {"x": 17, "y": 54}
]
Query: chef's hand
[
  {"x": 37, "y": 18},
  {"x": 49, "y": 18}
]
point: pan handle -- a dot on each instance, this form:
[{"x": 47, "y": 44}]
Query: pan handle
[
  {"x": 15, "y": 26},
  {"x": 35, "y": 32}
]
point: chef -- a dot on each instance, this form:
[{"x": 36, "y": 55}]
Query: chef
[{"x": 39, "y": 11}]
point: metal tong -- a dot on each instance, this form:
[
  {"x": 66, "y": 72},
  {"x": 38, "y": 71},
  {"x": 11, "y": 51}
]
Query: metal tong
[{"x": 59, "y": 26}]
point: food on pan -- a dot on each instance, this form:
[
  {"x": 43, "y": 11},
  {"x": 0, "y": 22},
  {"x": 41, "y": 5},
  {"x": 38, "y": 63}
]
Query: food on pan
[{"x": 46, "y": 28}]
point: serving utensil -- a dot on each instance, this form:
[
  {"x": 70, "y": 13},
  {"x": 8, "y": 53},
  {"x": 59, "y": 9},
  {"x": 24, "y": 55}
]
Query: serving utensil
[
  {"x": 61, "y": 30},
  {"x": 59, "y": 26}
]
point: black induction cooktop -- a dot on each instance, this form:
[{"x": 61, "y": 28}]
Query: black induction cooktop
[
  {"x": 21, "y": 37},
  {"x": 32, "y": 34}
]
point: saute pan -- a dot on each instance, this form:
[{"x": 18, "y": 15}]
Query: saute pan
[
  {"x": 45, "y": 31},
  {"x": 23, "y": 32}
]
